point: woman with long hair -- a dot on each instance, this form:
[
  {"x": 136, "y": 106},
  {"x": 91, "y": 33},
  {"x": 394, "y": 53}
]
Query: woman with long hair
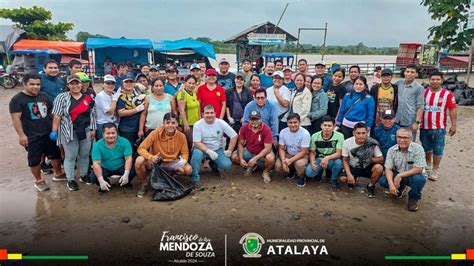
[
  {"x": 300, "y": 101},
  {"x": 319, "y": 104},
  {"x": 357, "y": 106},
  {"x": 157, "y": 105},
  {"x": 188, "y": 106}
]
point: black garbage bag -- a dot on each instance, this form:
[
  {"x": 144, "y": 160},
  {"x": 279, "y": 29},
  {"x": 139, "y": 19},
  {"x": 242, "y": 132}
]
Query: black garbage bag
[{"x": 166, "y": 187}]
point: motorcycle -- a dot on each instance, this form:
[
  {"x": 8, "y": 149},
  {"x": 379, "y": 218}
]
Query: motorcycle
[{"x": 8, "y": 81}]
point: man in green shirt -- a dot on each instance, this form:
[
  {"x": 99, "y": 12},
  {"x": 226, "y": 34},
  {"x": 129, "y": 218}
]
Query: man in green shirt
[
  {"x": 325, "y": 152},
  {"x": 111, "y": 156}
]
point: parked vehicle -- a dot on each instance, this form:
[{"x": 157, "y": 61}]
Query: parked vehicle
[{"x": 425, "y": 56}]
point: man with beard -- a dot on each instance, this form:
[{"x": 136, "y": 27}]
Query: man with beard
[{"x": 266, "y": 78}]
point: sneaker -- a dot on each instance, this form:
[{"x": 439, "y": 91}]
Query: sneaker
[
  {"x": 266, "y": 177},
  {"x": 402, "y": 194},
  {"x": 198, "y": 186},
  {"x": 41, "y": 186},
  {"x": 59, "y": 178},
  {"x": 427, "y": 171},
  {"x": 72, "y": 185},
  {"x": 334, "y": 187},
  {"x": 142, "y": 191},
  {"x": 412, "y": 205},
  {"x": 46, "y": 168},
  {"x": 249, "y": 170},
  {"x": 370, "y": 191},
  {"x": 433, "y": 175},
  {"x": 291, "y": 174},
  {"x": 301, "y": 181},
  {"x": 85, "y": 179}
]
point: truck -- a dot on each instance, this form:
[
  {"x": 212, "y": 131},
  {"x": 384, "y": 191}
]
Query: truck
[{"x": 424, "y": 56}]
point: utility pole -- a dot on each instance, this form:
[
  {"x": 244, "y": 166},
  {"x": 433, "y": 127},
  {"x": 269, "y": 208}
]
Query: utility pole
[{"x": 279, "y": 20}]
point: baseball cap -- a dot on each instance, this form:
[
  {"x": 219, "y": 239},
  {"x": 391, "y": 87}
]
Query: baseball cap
[
  {"x": 388, "y": 114},
  {"x": 73, "y": 78},
  {"x": 320, "y": 63},
  {"x": 240, "y": 75},
  {"x": 128, "y": 77},
  {"x": 83, "y": 76},
  {"x": 138, "y": 76},
  {"x": 211, "y": 72},
  {"x": 194, "y": 66},
  {"x": 278, "y": 74},
  {"x": 255, "y": 115},
  {"x": 153, "y": 67},
  {"x": 287, "y": 68},
  {"x": 109, "y": 78},
  {"x": 223, "y": 60},
  {"x": 387, "y": 71},
  {"x": 171, "y": 68}
]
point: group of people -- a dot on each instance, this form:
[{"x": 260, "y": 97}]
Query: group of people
[{"x": 309, "y": 126}]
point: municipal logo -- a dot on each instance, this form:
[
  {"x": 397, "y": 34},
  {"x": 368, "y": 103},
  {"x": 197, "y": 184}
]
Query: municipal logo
[{"x": 252, "y": 244}]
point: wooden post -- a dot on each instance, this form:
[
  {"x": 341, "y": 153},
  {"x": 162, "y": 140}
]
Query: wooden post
[{"x": 469, "y": 63}]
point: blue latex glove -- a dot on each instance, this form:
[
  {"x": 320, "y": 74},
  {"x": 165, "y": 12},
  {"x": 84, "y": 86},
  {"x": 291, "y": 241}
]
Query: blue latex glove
[{"x": 53, "y": 135}]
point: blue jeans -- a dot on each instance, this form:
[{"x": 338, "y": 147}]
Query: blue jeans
[
  {"x": 74, "y": 149},
  {"x": 335, "y": 166},
  {"x": 432, "y": 140},
  {"x": 223, "y": 162},
  {"x": 415, "y": 182}
]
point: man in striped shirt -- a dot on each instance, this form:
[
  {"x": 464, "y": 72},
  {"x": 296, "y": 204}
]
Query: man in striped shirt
[{"x": 437, "y": 101}]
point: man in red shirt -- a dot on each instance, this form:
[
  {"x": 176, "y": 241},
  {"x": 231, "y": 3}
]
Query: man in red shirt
[
  {"x": 255, "y": 145},
  {"x": 213, "y": 94},
  {"x": 437, "y": 101}
]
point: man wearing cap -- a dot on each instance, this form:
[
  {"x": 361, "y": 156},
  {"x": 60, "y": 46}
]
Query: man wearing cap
[
  {"x": 196, "y": 72},
  {"x": 287, "y": 78},
  {"x": 385, "y": 133},
  {"x": 153, "y": 73},
  {"x": 266, "y": 78},
  {"x": 213, "y": 94},
  {"x": 237, "y": 99},
  {"x": 207, "y": 138},
  {"x": 279, "y": 95},
  {"x": 320, "y": 70},
  {"x": 255, "y": 144},
  {"x": 172, "y": 84},
  {"x": 247, "y": 71},
  {"x": 385, "y": 95},
  {"x": 105, "y": 105},
  {"x": 225, "y": 79},
  {"x": 403, "y": 167}
]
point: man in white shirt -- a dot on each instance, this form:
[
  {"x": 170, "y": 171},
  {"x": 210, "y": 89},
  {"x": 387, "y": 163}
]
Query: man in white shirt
[
  {"x": 207, "y": 139},
  {"x": 105, "y": 105},
  {"x": 293, "y": 150}
]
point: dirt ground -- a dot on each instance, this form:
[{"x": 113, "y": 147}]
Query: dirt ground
[{"x": 119, "y": 228}]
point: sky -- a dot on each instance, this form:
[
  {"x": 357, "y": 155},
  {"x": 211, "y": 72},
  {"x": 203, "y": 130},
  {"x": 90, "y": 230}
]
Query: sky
[{"x": 376, "y": 23}]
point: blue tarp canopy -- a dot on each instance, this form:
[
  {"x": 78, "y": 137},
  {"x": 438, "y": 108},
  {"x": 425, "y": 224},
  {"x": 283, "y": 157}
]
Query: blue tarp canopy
[
  {"x": 95, "y": 43},
  {"x": 201, "y": 48},
  {"x": 278, "y": 55},
  {"x": 118, "y": 51}
]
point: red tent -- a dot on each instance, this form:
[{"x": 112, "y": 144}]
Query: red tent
[{"x": 62, "y": 47}]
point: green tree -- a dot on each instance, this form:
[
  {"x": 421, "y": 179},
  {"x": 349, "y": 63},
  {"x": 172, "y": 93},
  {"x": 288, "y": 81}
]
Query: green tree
[
  {"x": 36, "y": 21},
  {"x": 83, "y": 35},
  {"x": 452, "y": 32}
]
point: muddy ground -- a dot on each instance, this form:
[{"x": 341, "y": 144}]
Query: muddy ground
[{"x": 119, "y": 228}]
